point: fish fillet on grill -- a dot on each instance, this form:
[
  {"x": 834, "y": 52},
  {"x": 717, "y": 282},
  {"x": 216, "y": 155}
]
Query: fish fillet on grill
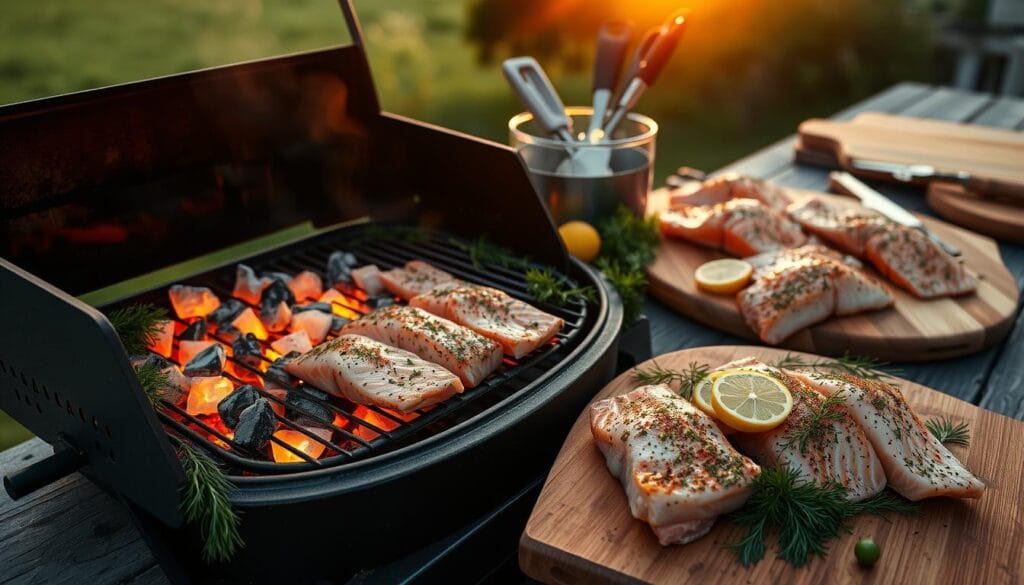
[
  {"x": 916, "y": 464},
  {"x": 366, "y": 371},
  {"x": 518, "y": 327},
  {"x": 677, "y": 468},
  {"x": 469, "y": 355},
  {"x": 415, "y": 278},
  {"x": 837, "y": 451},
  {"x": 793, "y": 289},
  {"x": 741, "y": 227}
]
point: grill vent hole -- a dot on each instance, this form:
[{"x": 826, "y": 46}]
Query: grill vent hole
[
  {"x": 81, "y": 414},
  {"x": 56, "y": 399},
  {"x": 113, "y": 458},
  {"x": 46, "y": 392},
  {"x": 17, "y": 394}
]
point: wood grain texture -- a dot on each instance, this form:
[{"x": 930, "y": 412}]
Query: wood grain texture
[
  {"x": 985, "y": 216},
  {"x": 581, "y": 530},
  {"x": 912, "y": 330}
]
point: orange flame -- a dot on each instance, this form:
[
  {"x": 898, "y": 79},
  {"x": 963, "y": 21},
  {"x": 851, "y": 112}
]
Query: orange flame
[
  {"x": 205, "y": 393},
  {"x": 300, "y": 442}
]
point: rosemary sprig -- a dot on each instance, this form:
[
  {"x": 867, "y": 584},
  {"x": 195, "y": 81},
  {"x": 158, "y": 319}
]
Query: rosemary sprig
[
  {"x": 816, "y": 427},
  {"x": 548, "y": 288},
  {"x": 862, "y": 367},
  {"x": 631, "y": 286},
  {"x": 946, "y": 431},
  {"x": 136, "y": 325},
  {"x": 688, "y": 379},
  {"x": 153, "y": 382},
  {"x": 802, "y": 515},
  {"x": 206, "y": 502}
]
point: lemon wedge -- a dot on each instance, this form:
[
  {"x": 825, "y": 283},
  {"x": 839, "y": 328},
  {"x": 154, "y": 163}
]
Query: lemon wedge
[
  {"x": 701, "y": 396},
  {"x": 724, "y": 276},
  {"x": 581, "y": 240},
  {"x": 750, "y": 401}
]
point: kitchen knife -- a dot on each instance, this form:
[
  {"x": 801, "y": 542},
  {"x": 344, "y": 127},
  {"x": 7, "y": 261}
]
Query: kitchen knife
[
  {"x": 995, "y": 188},
  {"x": 612, "y": 40},
  {"x": 843, "y": 182}
]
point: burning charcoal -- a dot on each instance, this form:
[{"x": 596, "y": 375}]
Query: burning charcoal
[
  {"x": 337, "y": 323},
  {"x": 275, "y": 317},
  {"x": 205, "y": 394},
  {"x": 209, "y": 362},
  {"x": 195, "y": 332},
  {"x": 330, "y": 295},
  {"x": 225, "y": 313},
  {"x": 300, "y": 442},
  {"x": 190, "y": 349},
  {"x": 246, "y": 349},
  {"x": 255, "y": 426},
  {"x": 248, "y": 322},
  {"x": 162, "y": 342},
  {"x": 339, "y": 267},
  {"x": 228, "y": 333},
  {"x": 177, "y": 383},
  {"x": 247, "y": 286},
  {"x": 368, "y": 278},
  {"x": 380, "y": 302},
  {"x": 297, "y": 342},
  {"x": 277, "y": 292},
  {"x": 233, "y": 404},
  {"x": 322, "y": 307},
  {"x": 278, "y": 379},
  {"x": 307, "y": 412},
  {"x": 192, "y": 301},
  {"x": 306, "y": 285},
  {"x": 314, "y": 323},
  {"x": 282, "y": 277}
]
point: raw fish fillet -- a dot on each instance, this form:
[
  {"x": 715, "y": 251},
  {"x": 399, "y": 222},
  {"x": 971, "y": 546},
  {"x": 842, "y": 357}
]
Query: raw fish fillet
[
  {"x": 848, "y": 228},
  {"x": 732, "y": 186},
  {"x": 415, "y": 278},
  {"x": 741, "y": 227},
  {"x": 678, "y": 469},
  {"x": 913, "y": 261}
]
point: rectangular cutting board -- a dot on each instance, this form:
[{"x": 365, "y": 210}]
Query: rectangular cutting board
[
  {"x": 911, "y": 330},
  {"x": 581, "y": 530}
]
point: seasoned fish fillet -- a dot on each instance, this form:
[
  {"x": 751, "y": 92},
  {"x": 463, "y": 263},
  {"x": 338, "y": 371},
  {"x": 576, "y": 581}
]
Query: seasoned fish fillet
[
  {"x": 845, "y": 227},
  {"x": 677, "y": 468},
  {"x": 731, "y": 186},
  {"x": 836, "y": 451},
  {"x": 741, "y": 227},
  {"x": 913, "y": 261},
  {"x": 470, "y": 356},
  {"x": 797, "y": 288},
  {"x": 415, "y": 278},
  {"x": 517, "y": 326},
  {"x": 916, "y": 464},
  {"x": 369, "y": 372}
]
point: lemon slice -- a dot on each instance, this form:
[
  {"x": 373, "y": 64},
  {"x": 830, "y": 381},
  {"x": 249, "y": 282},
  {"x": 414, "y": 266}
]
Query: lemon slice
[
  {"x": 701, "y": 396},
  {"x": 723, "y": 276},
  {"x": 750, "y": 401}
]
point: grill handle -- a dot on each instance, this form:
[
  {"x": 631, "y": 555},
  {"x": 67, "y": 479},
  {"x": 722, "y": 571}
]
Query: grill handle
[{"x": 64, "y": 461}]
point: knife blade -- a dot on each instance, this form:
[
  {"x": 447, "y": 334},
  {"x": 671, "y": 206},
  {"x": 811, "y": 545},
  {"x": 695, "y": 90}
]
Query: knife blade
[
  {"x": 846, "y": 183},
  {"x": 1009, "y": 191}
]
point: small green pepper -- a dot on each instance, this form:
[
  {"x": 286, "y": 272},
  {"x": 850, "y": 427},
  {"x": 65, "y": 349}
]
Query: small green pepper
[{"x": 867, "y": 552}]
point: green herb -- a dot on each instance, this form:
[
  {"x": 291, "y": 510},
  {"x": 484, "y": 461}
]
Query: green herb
[
  {"x": 801, "y": 515},
  {"x": 153, "y": 382},
  {"x": 206, "y": 502},
  {"x": 631, "y": 286},
  {"x": 548, "y": 288},
  {"x": 862, "y": 367},
  {"x": 946, "y": 431},
  {"x": 815, "y": 427},
  {"x": 137, "y": 325},
  {"x": 688, "y": 379},
  {"x": 482, "y": 252},
  {"x": 628, "y": 240}
]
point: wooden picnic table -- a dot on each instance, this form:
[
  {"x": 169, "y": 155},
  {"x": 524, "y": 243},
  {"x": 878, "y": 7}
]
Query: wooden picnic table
[{"x": 71, "y": 532}]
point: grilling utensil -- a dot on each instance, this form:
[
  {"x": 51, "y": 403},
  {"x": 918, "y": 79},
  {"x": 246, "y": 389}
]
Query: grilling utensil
[
  {"x": 612, "y": 40},
  {"x": 844, "y": 182},
  {"x": 995, "y": 188}
]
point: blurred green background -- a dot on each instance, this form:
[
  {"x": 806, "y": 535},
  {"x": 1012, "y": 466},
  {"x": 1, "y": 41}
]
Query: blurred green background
[{"x": 745, "y": 74}]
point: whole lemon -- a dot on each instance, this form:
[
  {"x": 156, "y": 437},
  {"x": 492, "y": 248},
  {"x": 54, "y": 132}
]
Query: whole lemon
[{"x": 581, "y": 239}]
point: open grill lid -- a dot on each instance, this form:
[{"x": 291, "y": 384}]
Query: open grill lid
[{"x": 103, "y": 185}]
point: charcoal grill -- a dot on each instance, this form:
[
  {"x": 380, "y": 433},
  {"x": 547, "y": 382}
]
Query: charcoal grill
[{"x": 106, "y": 185}]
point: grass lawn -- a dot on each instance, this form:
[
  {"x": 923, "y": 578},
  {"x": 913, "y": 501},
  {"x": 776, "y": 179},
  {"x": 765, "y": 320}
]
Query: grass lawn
[{"x": 422, "y": 66}]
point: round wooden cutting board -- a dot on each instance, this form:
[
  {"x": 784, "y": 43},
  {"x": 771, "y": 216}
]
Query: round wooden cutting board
[
  {"x": 985, "y": 216},
  {"x": 581, "y": 530},
  {"x": 911, "y": 330}
]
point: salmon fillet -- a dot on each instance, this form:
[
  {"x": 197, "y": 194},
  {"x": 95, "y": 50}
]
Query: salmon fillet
[
  {"x": 741, "y": 227},
  {"x": 914, "y": 262},
  {"x": 677, "y": 468},
  {"x": 916, "y": 464},
  {"x": 839, "y": 452},
  {"x": 518, "y": 327},
  {"x": 731, "y": 186},
  {"x": 369, "y": 372},
  {"x": 845, "y": 227},
  {"x": 470, "y": 356},
  {"x": 415, "y": 278},
  {"x": 797, "y": 288}
]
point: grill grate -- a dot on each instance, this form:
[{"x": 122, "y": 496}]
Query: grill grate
[{"x": 360, "y": 431}]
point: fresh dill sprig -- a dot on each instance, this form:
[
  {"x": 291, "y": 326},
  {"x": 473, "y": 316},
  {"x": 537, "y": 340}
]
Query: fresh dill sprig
[
  {"x": 631, "y": 286},
  {"x": 946, "y": 431},
  {"x": 153, "y": 382},
  {"x": 136, "y": 325},
  {"x": 815, "y": 427},
  {"x": 628, "y": 240},
  {"x": 548, "y": 288},
  {"x": 206, "y": 502},
  {"x": 688, "y": 379},
  {"x": 482, "y": 251},
  {"x": 803, "y": 516},
  {"x": 862, "y": 367}
]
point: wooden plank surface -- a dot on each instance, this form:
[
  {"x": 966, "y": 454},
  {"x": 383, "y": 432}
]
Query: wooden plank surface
[{"x": 581, "y": 530}]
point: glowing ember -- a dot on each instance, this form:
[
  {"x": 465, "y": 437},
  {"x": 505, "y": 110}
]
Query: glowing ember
[
  {"x": 300, "y": 442},
  {"x": 163, "y": 341},
  {"x": 192, "y": 301},
  {"x": 206, "y": 393},
  {"x": 298, "y": 341},
  {"x": 363, "y": 414},
  {"x": 340, "y": 304},
  {"x": 368, "y": 278},
  {"x": 189, "y": 349},
  {"x": 306, "y": 285},
  {"x": 247, "y": 286},
  {"x": 248, "y": 322},
  {"x": 330, "y": 295},
  {"x": 314, "y": 323}
]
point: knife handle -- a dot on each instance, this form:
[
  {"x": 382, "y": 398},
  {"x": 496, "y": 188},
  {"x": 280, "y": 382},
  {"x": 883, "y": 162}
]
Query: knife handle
[{"x": 997, "y": 189}]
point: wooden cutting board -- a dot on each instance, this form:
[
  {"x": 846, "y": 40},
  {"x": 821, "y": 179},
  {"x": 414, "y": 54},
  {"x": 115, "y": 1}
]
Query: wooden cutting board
[
  {"x": 581, "y": 530},
  {"x": 984, "y": 152},
  {"x": 911, "y": 330}
]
